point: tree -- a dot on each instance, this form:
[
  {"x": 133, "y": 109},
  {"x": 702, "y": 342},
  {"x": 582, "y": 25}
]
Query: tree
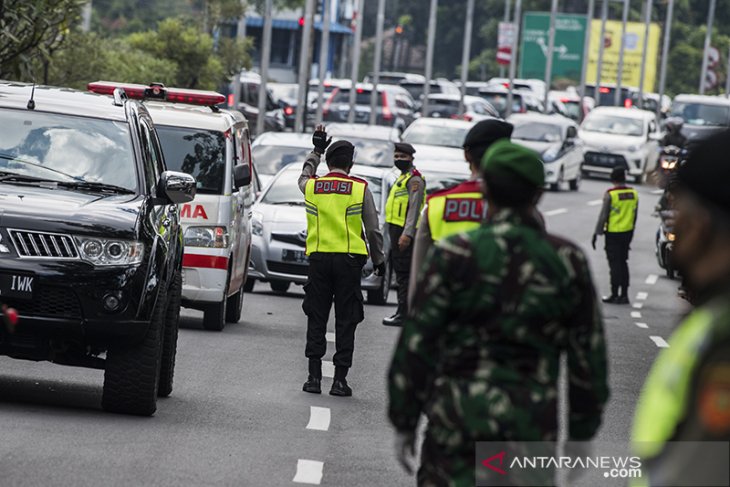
[{"x": 30, "y": 31}]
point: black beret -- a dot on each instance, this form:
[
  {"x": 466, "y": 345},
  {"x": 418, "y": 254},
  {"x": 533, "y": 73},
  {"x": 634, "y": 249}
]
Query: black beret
[
  {"x": 340, "y": 148},
  {"x": 618, "y": 174},
  {"x": 405, "y": 148},
  {"x": 707, "y": 171},
  {"x": 486, "y": 132}
]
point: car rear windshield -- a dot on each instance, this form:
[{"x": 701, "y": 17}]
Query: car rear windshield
[
  {"x": 499, "y": 101},
  {"x": 537, "y": 131},
  {"x": 269, "y": 159},
  {"x": 432, "y": 135},
  {"x": 610, "y": 124},
  {"x": 200, "y": 153},
  {"x": 700, "y": 114},
  {"x": 369, "y": 152},
  {"x": 416, "y": 89},
  {"x": 67, "y": 148},
  {"x": 362, "y": 97}
]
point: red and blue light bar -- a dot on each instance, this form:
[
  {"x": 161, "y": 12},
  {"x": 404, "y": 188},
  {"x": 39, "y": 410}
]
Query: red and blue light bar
[{"x": 158, "y": 91}]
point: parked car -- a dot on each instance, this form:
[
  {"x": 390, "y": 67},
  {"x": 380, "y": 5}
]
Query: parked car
[
  {"x": 572, "y": 103},
  {"x": 607, "y": 93},
  {"x": 437, "y": 86},
  {"x": 497, "y": 96},
  {"x": 285, "y": 96},
  {"x": 360, "y": 131},
  {"x": 447, "y": 106},
  {"x": 652, "y": 102},
  {"x": 91, "y": 250},
  {"x": 703, "y": 116},
  {"x": 395, "y": 107},
  {"x": 536, "y": 86},
  {"x": 438, "y": 138},
  {"x": 620, "y": 137},
  {"x": 280, "y": 232},
  {"x": 555, "y": 138},
  {"x": 248, "y": 104},
  {"x": 213, "y": 146}
]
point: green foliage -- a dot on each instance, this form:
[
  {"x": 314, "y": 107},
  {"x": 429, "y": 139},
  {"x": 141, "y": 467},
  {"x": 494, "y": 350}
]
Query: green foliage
[{"x": 30, "y": 31}]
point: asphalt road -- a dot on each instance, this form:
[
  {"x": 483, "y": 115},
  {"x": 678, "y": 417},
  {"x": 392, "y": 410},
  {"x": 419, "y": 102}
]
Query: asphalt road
[{"x": 238, "y": 417}]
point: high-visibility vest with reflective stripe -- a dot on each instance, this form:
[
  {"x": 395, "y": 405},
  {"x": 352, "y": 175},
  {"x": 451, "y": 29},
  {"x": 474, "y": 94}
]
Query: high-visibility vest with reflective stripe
[
  {"x": 396, "y": 208},
  {"x": 334, "y": 206},
  {"x": 624, "y": 203},
  {"x": 456, "y": 210}
]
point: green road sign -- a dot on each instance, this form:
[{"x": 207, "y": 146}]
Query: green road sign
[{"x": 570, "y": 31}]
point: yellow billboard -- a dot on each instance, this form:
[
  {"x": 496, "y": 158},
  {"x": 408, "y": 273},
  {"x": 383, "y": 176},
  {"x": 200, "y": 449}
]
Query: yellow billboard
[{"x": 632, "y": 54}]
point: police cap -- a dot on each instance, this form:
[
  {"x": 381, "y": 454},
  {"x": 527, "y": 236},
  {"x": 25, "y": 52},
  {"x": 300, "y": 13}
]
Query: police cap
[
  {"x": 706, "y": 172},
  {"x": 339, "y": 153},
  {"x": 405, "y": 148},
  {"x": 618, "y": 175},
  {"x": 505, "y": 158},
  {"x": 487, "y": 132}
]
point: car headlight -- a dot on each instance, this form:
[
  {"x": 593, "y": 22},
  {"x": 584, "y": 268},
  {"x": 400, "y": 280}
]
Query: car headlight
[
  {"x": 104, "y": 252},
  {"x": 634, "y": 148},
  {"x": 550, "y": 155},
  {"x": 207, "y": 237},
  {"x": 257, "y": 225},
  {"x": 671, "y": 236}
]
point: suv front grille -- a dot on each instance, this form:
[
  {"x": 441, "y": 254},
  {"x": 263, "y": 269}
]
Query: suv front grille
[
  {"x": 49, "y": 301},
  {"x": 43, "y": 245}
]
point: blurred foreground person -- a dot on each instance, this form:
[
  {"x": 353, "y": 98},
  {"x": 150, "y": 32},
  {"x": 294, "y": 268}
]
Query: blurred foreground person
[
  {"x": 493, "y": 311},
  {"x": 686, "y": 396}
]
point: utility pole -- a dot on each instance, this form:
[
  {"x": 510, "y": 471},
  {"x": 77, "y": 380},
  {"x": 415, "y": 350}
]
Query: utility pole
[
  {"x": 466, "y": 52},
  {"x": 430, "y": 43},
  {"x": 665, "y": 54},
  {"x": 507, "y": 8},
  {"x": 586, "y": 55},
  {"x": 513, "y": 59},
  {"x": 708, "y": 41},
  {"x": 550, "y": 53},
  {"x": 602, "y": 45},
  {"x": 377, "y": 61},
  {"x": 304, "y": 65},
  {"x": 355, "y": 61},
  {"x": 619, "y": 79},
  {"x": 647, "y": 27},
  {"x": 324, "y": 50},
  {"x": 265, "y": 57}
]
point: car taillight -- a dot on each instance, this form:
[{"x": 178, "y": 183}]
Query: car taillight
[
  {"x": 231, "y": 100},
  {"x": 465, "y": 117},
  {"x": 288, "y": 111},
  {"x": 604, "y": 90},
  {"x": 328, "y": 103},
  {"x": 387, "y": 114},
  {"x": 628, "y": 103}
]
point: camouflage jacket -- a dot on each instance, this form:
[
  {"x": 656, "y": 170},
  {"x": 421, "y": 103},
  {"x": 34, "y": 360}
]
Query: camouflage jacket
[{"x": 479, "y": 355}]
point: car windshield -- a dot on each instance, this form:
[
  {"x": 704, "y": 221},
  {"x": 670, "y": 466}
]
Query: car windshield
[
  {"x": 437, "y": 180},
  {"x": 362, "y": 97},
  {"x": 537, "y": 131},
  {"x": 499, "y": 101},
  {"x": 611, "y": 124},
  {"x": 269, "y": 159},
  {"x": 200, "y": 153},
  {"x": 370, "y": 152},
  {"x": 67, "y": 148},
  {"x": 700, "y": 114},
  {"x": 435, "y": 135},
  {"x": 572, "y": 109}
]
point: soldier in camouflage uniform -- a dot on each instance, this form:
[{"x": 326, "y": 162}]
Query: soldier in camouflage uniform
[{"x": 494, "y": 310}]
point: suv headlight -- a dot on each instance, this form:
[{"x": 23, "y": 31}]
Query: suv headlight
[
  {"x": 634, "y": 148},
  {"x": 257, "y": 225},
  {"x": 550, "y": 155},
  {"x": 207, "y": 237},
  {"x": 103, "y": 252}
]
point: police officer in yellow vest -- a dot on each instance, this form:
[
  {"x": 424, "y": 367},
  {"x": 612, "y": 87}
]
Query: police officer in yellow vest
[
  {"x": 402, "y": 210},
  {"x": 617, "y": 222},
  {"x": 686, "y": 397},
  {"x": 462, "y": 207},
  {"x": 338, "y": 207}
]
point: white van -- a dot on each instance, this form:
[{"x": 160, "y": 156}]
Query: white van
[{"x": 212, "y": 145}]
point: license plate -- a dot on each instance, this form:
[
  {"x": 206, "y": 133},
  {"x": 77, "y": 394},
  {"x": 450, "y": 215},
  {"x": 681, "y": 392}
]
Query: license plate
[
  {"x": 16, "y": 286},
  {"x": 296, "y": 256}
]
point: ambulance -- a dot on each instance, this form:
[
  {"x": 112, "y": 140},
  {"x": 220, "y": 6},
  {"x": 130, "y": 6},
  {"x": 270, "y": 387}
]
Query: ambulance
[{"x": 213, "y": 145}]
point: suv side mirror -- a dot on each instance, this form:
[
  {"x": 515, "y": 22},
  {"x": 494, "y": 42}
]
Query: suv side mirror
[
  {"x": 241, "y": 175},
  {"x": 572, "y": 133},
  {"x": 179, "y": 187}
]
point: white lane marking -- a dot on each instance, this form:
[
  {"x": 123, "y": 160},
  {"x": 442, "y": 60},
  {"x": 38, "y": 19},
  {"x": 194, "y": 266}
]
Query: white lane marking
[
  {"x": 659, "y": 342},
  {"x": 309, "y": 472},
  {"x": 652, "y": 279},
  {"x": 559, "y": 211},
  {"x": 330, "y": 337},
  {"x": 642, "y": 296},
  {"x": 319, "y": 418},
  {"x": 595, "y": 203},
  {"x": 635, "y": 314},
  {"x": 328, "y": 369},
  {"x": 638, "y": 305},
  {"x": 642, "y": 325}
]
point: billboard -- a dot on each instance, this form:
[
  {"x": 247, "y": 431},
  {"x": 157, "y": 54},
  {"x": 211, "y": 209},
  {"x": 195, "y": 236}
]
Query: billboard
[
  {"x": 568, "y": 52},
  {"x": 632, "y": 54}
]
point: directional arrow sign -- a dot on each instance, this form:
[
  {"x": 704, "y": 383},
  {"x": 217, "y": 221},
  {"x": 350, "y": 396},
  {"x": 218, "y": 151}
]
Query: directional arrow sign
[{"x": 568, "y": 53}]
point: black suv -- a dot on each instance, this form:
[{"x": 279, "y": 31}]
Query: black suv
[{"x": 90, "y": 239}]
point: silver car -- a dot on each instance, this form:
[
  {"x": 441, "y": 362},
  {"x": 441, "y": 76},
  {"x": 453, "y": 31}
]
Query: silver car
[{"x": 279, "y": 232}]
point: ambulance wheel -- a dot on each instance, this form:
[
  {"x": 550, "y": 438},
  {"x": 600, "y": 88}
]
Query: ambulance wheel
[
  {"x": 248, "y": 285},
  {"x": 234, "y": 307},
  {"x": 280, "y": 286}
]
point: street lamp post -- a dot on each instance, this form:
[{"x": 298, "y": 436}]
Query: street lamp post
[
  {"x": 466, "y": 53},
  {"x": 550, "y": 53},
  {"x": 665, "y": 54},
  {"x": 708, "y": 41},
  {"x": 647, "y": 27},
  {"x": 265, "y": 58},
  {"x": 429, "y": 55},
  {"x": 377, "y": 61},
  {"x": 324, "y": 49},
  {"x": 513, "y": 58},
  {"x": 620, "y": 75},
  {"x": 304, "y": 64},
  {"x": 355, "y": 61},
  {"x": 601, "y": 48},
  {"x": 586, "y": 54}
]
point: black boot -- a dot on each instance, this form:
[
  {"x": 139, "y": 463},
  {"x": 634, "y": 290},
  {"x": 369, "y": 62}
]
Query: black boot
[
  {"x": 395, "y": 320},
  {"x": 623, "y": 298},
  {"x": 314, "y": 382},
  {"x": 339, "y": 385},
  {"x": 612, "y": 299}
]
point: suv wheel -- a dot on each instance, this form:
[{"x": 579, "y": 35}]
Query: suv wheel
[
  {"x": 248, "y": 285},
  {"x": 380, "y": 296},
  {"x": 169, "y": 337},
  {"x": 280, "y": 286},
  {"x": 234, "y": 307},
  {"x": 214, "y": 316},
  {"x": 132, "y": 372}
]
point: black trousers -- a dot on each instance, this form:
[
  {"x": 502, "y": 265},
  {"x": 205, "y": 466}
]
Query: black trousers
[
  {"x": 333, "y": 278},
  {"x": 617, "y": 252},
  {"x": 401, "y": 260}
]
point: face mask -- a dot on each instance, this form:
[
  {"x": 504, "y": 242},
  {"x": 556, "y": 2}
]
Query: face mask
[{"x": 403, "y": 165}]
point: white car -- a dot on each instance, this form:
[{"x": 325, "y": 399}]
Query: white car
[
  {"x": 476, "y": 108},
  {"x": 438, "y": 138},
  {"x": 620, "y": 137},
  {"x": 554, "y": 137}
]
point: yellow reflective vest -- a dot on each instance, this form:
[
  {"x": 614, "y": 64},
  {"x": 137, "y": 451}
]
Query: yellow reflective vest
[
  {"x": 334, "y": 214},
  {"x": 624, "y": 204},
  {"x": 396, "y": 208},
  {"x": 459, "y": 209}
]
